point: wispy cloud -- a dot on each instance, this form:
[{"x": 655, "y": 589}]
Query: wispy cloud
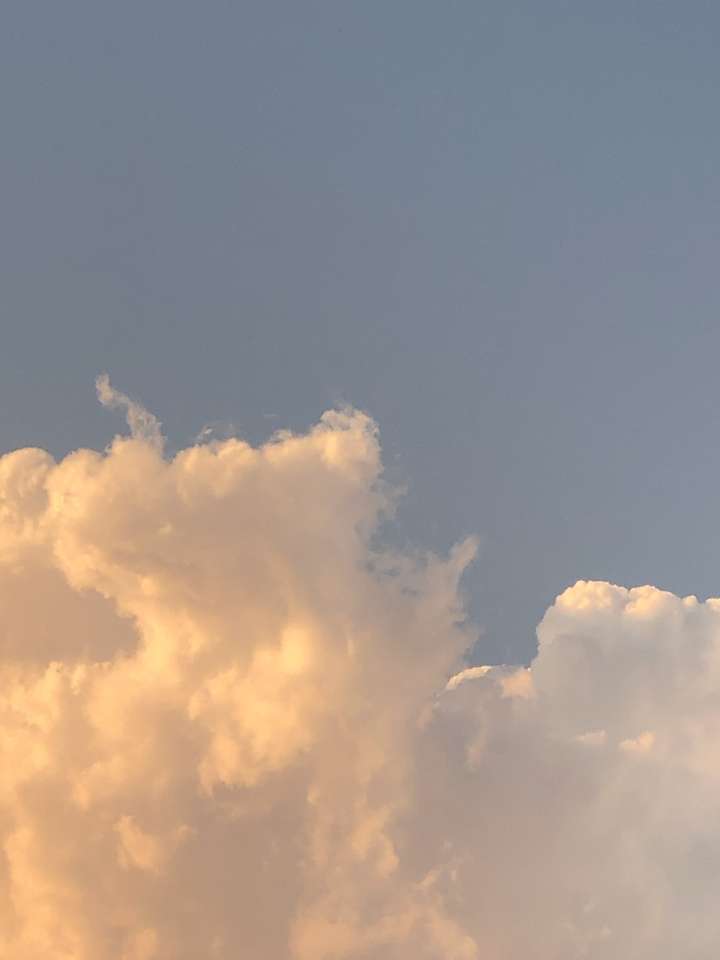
[{"x": 143, "y": 425}]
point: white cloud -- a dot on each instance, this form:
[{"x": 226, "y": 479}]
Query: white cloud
[{"x": 230, "y": 724}]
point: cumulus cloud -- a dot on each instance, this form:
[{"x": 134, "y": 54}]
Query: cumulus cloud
[{"x": 233, "y": 724}]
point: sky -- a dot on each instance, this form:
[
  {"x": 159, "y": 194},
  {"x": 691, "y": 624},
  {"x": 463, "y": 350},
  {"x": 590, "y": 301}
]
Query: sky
[
  {"x": 491, "y": 226},
  {"x": 411, "y": 310}
]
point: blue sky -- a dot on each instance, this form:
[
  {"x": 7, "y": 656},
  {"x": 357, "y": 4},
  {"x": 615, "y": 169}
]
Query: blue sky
[{"x": 493, "y": 226}]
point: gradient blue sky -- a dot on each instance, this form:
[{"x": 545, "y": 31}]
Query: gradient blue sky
[{"x": 494, "y": 226}]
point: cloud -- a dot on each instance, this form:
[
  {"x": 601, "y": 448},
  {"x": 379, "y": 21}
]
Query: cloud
[
  {"x": 232, "y": 723},
  {"x": 143, "y": 425}
]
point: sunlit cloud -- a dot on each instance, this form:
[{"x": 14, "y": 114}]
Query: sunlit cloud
[{"x": 233, "y": 724}]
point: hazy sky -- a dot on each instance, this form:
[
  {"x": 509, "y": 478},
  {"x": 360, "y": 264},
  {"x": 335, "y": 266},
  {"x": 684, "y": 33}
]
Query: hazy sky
[{"x": 493, "y": 226}]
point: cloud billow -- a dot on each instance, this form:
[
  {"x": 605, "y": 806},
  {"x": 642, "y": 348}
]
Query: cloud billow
[{"x": 231, "y": 724}]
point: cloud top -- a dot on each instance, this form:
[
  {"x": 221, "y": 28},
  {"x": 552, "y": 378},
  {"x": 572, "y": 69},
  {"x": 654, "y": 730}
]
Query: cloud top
[{"x": 231, "y": 723}]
